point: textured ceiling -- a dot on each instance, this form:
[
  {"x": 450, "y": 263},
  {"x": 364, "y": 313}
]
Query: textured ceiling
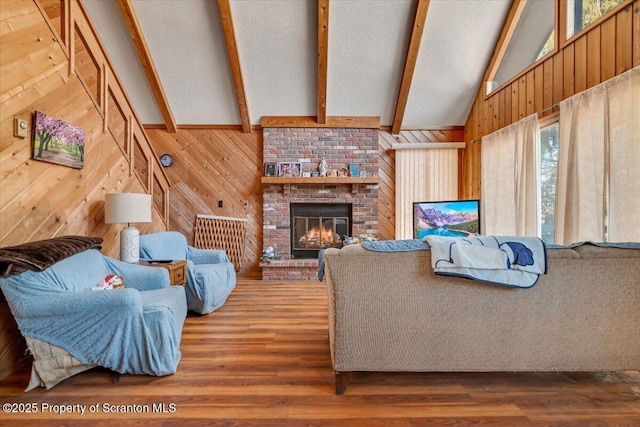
[{"x": 277, "y": 46}]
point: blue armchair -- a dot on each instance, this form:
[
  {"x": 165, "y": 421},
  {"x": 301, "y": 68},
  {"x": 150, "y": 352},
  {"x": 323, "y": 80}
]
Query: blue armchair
[
  {"x": 210, "y": 275},
  {"x": 134, "y": 330}
]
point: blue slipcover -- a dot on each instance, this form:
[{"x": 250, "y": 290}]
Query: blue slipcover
[
  {"x": 134, "y": 330},
  {"x": 210, "y": 275}
]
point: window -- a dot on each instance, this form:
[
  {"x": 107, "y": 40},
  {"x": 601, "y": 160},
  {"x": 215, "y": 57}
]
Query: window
[
  {"x": 533, "y": 38},
  {"x": 548, "y": 173},
  {"x": 581, "y": 13}
]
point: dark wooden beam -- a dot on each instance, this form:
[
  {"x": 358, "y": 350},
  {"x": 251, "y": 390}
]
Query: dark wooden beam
[
  {"x": 410, "y": 63},
  {"x": 323, "y": 55},
  {"x": 234, "y": 62},
  {"x": 131, "y": 20}
]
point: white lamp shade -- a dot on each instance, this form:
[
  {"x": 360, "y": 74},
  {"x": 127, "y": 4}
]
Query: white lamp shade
[{"x": 127, "y": 208}]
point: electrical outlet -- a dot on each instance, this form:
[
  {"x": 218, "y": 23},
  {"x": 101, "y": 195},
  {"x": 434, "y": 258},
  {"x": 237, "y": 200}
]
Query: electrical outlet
[
  {"x": 220, "y": 203},
  {"x": 20, "y": 128},
  {"x": 246, "y": 203}
]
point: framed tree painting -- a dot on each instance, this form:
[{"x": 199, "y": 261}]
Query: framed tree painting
[{"x": 56, "y": 141}]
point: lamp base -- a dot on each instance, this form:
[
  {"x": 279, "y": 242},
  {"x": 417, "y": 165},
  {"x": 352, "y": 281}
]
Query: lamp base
[{"x": 130, "y": 245}]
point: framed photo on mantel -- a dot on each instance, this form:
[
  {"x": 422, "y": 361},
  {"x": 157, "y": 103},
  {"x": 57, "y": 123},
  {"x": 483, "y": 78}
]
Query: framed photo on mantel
[
  {"x": 289, "y": 169},
  {"x": 270, "y": 169}
]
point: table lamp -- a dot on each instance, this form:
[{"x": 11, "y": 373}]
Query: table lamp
[{"x": 127, "y": 208}]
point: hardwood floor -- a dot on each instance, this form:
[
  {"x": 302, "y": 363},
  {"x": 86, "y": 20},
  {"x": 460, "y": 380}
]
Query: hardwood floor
[{"x": 263, "y": 360}]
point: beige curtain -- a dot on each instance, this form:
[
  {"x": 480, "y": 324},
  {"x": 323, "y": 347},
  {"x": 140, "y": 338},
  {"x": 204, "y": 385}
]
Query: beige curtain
[
  {"x": 510, "y": 183},
  {"x": 624, "y": 156},
  {"x": 423, "y": 175},
  {"x": 599, "y": 163}
]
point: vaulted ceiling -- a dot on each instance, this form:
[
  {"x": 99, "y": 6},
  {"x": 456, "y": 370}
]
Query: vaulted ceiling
[{"x": 277, "y": 52}]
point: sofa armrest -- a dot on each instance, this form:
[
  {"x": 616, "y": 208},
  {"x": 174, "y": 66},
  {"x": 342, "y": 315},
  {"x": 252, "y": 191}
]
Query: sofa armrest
[
  {"x": 140, "y": 277},
  {"x": 71, "y": 304},
  {"x": 206, "y": 256}
]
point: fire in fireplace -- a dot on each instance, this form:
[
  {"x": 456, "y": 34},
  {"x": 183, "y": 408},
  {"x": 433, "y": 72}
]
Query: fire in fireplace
[{"x": 316, "y": 226}]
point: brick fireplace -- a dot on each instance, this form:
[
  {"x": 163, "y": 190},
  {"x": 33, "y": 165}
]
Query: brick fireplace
[{"x": 340, "y": 148}]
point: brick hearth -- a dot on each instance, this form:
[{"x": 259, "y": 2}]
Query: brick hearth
[{"x": 339, "y": 147}]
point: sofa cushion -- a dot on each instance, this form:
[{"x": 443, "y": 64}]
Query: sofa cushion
[{"x": 593, "y": 251}]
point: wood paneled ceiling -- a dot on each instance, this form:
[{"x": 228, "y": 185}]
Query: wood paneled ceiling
[{"x": 413, "y": 63}]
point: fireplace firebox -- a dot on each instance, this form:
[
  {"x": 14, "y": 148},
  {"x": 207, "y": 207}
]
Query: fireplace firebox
[{"x": 316, "y": 226}]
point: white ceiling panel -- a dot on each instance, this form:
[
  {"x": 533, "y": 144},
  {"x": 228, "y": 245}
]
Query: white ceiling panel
[
  {"x": 187, "y": 44},
  {"x": 277, "y": 45},
  {"x": 115, "y": 37},
  {"x": 456, "y": 46},
  {"x": 367, "y": 48}
]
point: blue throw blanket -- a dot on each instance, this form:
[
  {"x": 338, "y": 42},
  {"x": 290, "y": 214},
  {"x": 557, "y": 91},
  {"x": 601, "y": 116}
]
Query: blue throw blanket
[
  {"x": 132, "y": 330},
  {"x": 396, "y": 245},
  {"x": 505, "y": 260}
]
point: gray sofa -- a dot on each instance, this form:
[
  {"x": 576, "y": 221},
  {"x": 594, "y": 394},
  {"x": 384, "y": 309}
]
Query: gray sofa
[{"x": 390, "y": 312}]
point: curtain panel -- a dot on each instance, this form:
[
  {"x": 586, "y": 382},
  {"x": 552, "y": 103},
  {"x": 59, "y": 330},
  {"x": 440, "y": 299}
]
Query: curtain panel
[
  {"x": 598, "y": 186},
  {"x": 510, "y": 184},
  {"x": 422, "y": 175}
]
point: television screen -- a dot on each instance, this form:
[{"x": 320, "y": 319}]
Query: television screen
[{"x": 456, "y": 218}]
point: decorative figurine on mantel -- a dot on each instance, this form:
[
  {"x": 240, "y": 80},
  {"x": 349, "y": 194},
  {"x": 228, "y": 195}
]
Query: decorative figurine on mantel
[{"x": 323, "y": 168}]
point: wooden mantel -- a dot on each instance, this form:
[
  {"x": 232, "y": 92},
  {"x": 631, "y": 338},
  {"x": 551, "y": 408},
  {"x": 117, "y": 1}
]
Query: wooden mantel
[{"x": 286, "y": 182}]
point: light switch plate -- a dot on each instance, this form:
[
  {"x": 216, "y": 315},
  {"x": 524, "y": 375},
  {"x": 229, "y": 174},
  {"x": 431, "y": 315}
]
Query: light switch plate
[{"x": 20, "y": 128}]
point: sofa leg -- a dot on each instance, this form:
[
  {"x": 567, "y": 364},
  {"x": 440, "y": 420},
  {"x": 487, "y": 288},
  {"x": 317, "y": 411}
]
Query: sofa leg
[{"x": 342, "y": 380}]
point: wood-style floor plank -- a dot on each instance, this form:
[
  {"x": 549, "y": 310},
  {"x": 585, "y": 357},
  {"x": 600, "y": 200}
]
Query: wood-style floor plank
[{"x": 263, "y": 360}]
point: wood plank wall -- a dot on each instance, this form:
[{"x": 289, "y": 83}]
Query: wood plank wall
[
  {"x": 212, "y": 165},
  {"x": 604, "y": 50},
  {"x": 217, "y": 164},
  {"x": 72, "y": 81}
]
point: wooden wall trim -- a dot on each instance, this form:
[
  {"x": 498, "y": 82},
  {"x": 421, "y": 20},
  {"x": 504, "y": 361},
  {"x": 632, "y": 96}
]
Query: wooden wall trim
[
  {"x": 234, "y": 61},
  {"x": 323, "y": 56},
  {"x": 426, "y": 145},
  {"x": 636, "y": 33},
  {"x": 363, "y": 122},
  {"x": 431, "y": 128},
  {"x": 131, "y": 20},
  {"x": 415, "y": 39}
]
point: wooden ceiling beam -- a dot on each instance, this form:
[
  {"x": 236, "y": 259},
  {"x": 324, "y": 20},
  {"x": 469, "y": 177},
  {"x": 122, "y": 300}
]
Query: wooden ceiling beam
[
  {"x": 135, "y": 31},
  {"x": 410, "y": 63},
  {"x": 234, "y": 61},
  {"x": 362, "y": 122},
  {"x": 323, "y": 55}
]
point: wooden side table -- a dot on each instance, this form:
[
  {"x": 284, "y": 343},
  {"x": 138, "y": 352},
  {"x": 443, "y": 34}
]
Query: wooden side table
[{"x": 177, "y": 270}]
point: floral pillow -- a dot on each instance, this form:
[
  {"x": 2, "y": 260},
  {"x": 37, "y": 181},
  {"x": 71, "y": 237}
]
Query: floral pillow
[{"x": 110, "y": 282}]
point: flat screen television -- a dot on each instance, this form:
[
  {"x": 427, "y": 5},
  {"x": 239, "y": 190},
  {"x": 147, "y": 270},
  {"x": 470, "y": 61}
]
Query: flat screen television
[{"x": 454, "y": 218}]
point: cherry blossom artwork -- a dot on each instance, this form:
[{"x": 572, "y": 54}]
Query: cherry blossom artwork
[{"x": 56, "y": 141}]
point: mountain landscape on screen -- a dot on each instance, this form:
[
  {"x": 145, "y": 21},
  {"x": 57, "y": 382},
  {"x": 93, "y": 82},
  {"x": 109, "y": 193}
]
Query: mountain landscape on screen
[{"x": 456, "y": 218}]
